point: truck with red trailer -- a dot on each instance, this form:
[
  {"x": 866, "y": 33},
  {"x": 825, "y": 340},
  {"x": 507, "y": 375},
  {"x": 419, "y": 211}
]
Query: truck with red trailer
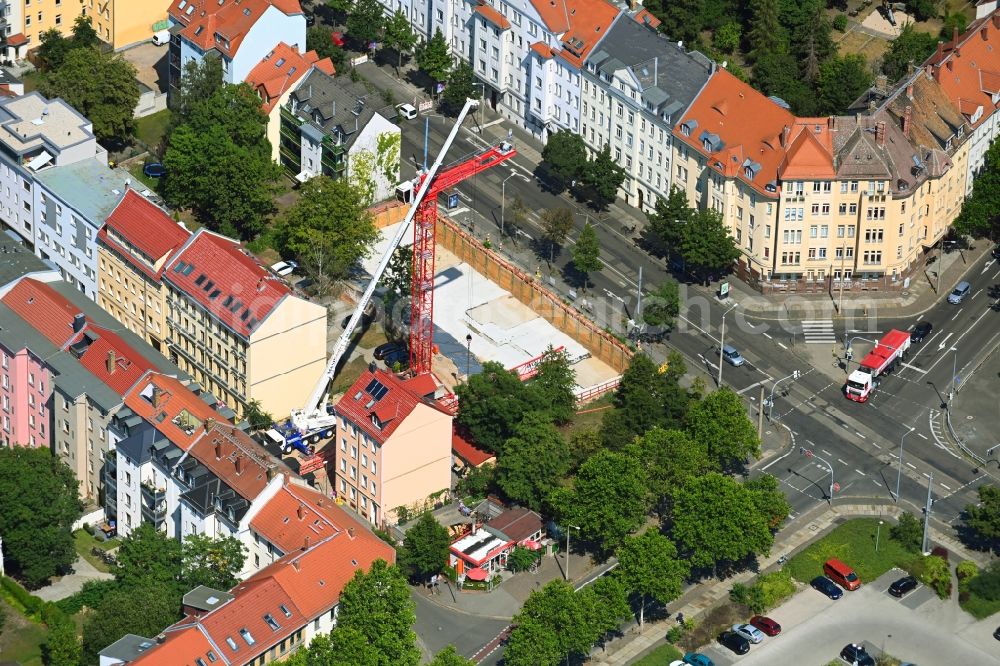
[{"x": 889, "y": 352}]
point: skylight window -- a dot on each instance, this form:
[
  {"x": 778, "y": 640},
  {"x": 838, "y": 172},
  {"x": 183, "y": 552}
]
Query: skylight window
[
  {"x": 232, "y": 644},
  {"x": 246, "y": 636},
  {"x": 285, "y": 610},
  {"x": 190, "y": 10},
  {"x": 271, "y": 622},
  {"x": 279, "y": 62}
]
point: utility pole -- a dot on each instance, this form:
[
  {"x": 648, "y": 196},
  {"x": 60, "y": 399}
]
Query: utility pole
[
  {"x": 722, "y": 341},
  {"x": 638, "y": 300},
  {"x": 760, "y": 414},
  {"x": 899, "y": 466},
  {"x": 937, "y": 290},
  {"x": 843, "y": 257},
  {"x": 927, "y": 513}
]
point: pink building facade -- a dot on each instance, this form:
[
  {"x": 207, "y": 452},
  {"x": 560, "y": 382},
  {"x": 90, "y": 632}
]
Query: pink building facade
[{"x": 25, "y": 388}]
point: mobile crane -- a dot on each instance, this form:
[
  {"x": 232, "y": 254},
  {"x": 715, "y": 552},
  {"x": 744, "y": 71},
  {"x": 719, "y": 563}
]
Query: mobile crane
[{"x": 313, "y": 422}]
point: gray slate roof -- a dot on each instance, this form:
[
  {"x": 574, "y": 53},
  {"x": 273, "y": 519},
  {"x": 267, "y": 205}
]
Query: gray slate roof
[
  {"x": 17, "y": 260},
  {"x": 332, "y": 105},
  {"x": 670, "y": 76}
]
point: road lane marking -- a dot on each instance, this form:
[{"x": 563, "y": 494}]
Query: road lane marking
[
  {"x": 922, "y": 435},
  {"x": 913, "y": 367},
  {"x": 768, "y": 336},
  {"x": 876, "y": 445},
  {"x": 752, "y": 386},
  {"x": 893, "y": 454},
  {"x": 955, "y": 317},
  {"x": 944, "y": 486},
  {"x": 859, "y": 435},
  {"x": 876, "y": 482},
  {"x": 841, "y": 461},
  {"x": 782, "y": 346},
  {"x": 988, "y": 264},
  {"x": 859, "y": 472},
  {"x": 826, "y": 452},
  {"x": 911, "y": 465}
]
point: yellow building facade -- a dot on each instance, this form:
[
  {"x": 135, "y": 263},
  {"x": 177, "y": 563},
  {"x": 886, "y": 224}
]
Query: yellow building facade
[{"x": 122, "y": 23}]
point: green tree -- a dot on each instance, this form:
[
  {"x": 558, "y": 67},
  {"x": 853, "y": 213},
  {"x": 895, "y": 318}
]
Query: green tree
[
  {"x": 602, "y": 177},
  {"x": 377, "y": 604},
  {"x": 908, "y": 532},
  {"x": 399, "y": 35},
  {"x": 670, "y": 458},
  {"x": 720, "y": 423},
  {"x": 319, "y": 38},
  {"x": 811, "y": 40},
  {"x": 341, "y": 647},
  {"x": 769, "y": 499},
  {"x": 565, "y": 155},
  {"x": 257, "y": 417},
  {"x": 980, "y": 214},
  {"x": 554, "y": 612},
  {"x": 661, "y": 308},
  {"x": 38, "y": 506},
  {"x": 461, "y": 86},
  {"x": 62, "y": 646},
  {"x": 551, "y": 388},
  {"x": 533, "y": 643},
  {"x": 449, "y": 656},
  {"x": 669, "y": 217},
  {"x": 984, "y": 518},
  {"x": 715, "y": 520},
  {"x": 398, "y": 276},
  {"x": 425, "y": 548},
  {"x": 52, "y": 49},
  {"x": 682, "y": 19},
  {"x": 951, "y": 22},
  {"x": 491, "y": 404},
  {"x": 83, "y": 34},
  {"x": 645, "y": 398},
  {"x": 922, "y": 9},
  {"x": 727, "y": 37},
  {"x": 587, "y": 252},
  {"x": 365, "y": 23},
  {"x": 605, "y": 604},
  {"x": 213, "y": 562},
  {"x": 767, "y": 35},
  {"x": 101, "y": 86},
  {"x": 329, "y": 227},
  {"x": 533, "y": 461},
  {"x": 155, "y": 607},
  {"x": 608, "y": 500},
  {"x": 582, "y": 445},
  {"x": 910, "y": 45},
  {"x": 706, "y": 244},
  {"x": 556, "y": 225},
  {"x": 521, "y": 559},
  {"x": 841, "y": 81},
  {"x": 148, "y": 557},
  {"x": 839, "y": 23},
  {"x": 201, "y": 80},
  {"x": 649, "y": 567},
  {"x": 433, "y": 58},
  {"x": 778, "y": 74}
]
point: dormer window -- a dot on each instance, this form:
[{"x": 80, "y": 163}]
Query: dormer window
[
  {"x": 707, "y": 144},
  {"x": 748, "y": 172},
  {"x": 190, "y": 10},
  {"x": 685, "y": 130},
  {"x": 376, "y": 422}
]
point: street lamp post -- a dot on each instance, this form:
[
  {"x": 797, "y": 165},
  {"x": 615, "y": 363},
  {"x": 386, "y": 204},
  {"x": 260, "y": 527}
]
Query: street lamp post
[
  {"x": 954, "y": 371},
  {"x": 468, "y": 355},
  {"x": 568, "y": 528},
  {"x": 808, "y": 453},
  {"x": 899, "y": 468},
  {"x": 503, "y": 198},
  {"x": 770, "y": 402},
  {"x": 722, "y": 340},
  {"x": 878, "y": 530}
]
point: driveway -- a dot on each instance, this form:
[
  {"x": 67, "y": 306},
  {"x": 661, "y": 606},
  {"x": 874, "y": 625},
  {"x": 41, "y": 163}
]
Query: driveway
[
  {"x": 919, "y": 628},
  {"x": 72, "y": 583}
]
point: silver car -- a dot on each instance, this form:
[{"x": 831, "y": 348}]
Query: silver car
[
  {"x": 732, "y": 356},
  {"x": 749, "y": 632}
]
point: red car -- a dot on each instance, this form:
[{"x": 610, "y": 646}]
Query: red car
[{"x": 766, "y": 624}]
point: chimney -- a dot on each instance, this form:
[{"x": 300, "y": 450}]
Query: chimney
[
  {"x": 872, "y": 106},
  {"x": 299, "y": 512},
  {"x": 940, "y": 51},
  {"x": 79, "y": 321},
  {"x": 218, "y": 449},
  {"x": 785, "y": 133},
  {"x": 157, "y": 394},
  {"x": 351, "y": 532},
  {"x": 239, "y": 464},
  {"x": 907, "y": 120},
  {"x": 831, "y": 122},
  {"x": 296, "y": 565},
  {"x": 209, "y": 424},
  {"x": 996, "y": 21},
  {"x": 305, "y": 543},
  {"x": 271, "y": 471},
  {"x": 954, "y": 36},
  {"x": 109, "y": 363},
  {"x": 880, "y": 133},
  {"x": 984, "y": 32},
  {"x": 881, "y": 81},
  {"x": 909, "y": 92}
]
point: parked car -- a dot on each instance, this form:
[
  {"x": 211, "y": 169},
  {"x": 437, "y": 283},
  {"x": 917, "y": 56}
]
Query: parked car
[
  {"x": 734, "y": 642},
  {"x": 996, "y": 634},
  {"x": 921, "y": 331},
  {"x": 407, "y": 111},
  {"x": 387, "y": 348},
  {"x": 284, "y": 268},
  {"x": 155, "y": 170},
  {"x": 400, "y": 356},
  {"x": 732, "y": 356},
  {"x": 856, "y": 655},
  {"x": 697, "y": 659},
  {"x": 961, "y": 291},
  {"x": 749, "y": 632},
  {"x": 903, "y": 586},
  {"x": 766, "y": 624},
  {"x": 841, "y": 574},
  {"x": 996, "y": 252},
  {"x": 827, "y": 587},
  {"x": 677, "y": 662}
]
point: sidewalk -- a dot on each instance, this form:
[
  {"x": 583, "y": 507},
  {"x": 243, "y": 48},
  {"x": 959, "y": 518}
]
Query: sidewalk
[{"x": 701, "y": 597}]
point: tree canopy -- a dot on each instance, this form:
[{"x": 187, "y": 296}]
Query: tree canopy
[
  {"x": 425, "y": 548},
  {"x": 565, "y": 153},
  {"x": 319, "y": 38},
  {"x": 552, "y": 624},
  {"x": 587, "y": 251},
  {"x": 911, "y": 45},
  {"x": 377, "y": 605},
  {"x": 980, "y": 214},
  {"x": 984, "y": 519},
  {"x": 670, "y": 458},
  {"x": 399, "y": 35},
  {"x": 719, "y": 422},
  {"x": 556, "y": 225},
  {"x": 660, "y": 309},
  {"x": 365, "y": 23},
  {"x": 842, "y": 80},
  {"x": 646, "y": 398},
  {"x": 212, "y": 562},
  {"x": 461, "y": 86},
  {"x": 38, "y": 506},
  {"x": 344, "y": 646},
  {"x": 155, "y": 606},
  {"x": 434, "y": 59},
  {"x": 534, "y": 461},
  {"x": 649, "y": 566},
  {"x": 449, "y": 656},
  {"x": 602, "y": 176}
]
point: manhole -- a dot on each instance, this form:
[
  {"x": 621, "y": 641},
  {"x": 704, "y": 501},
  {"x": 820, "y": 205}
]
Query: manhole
[{"x": 969, "y": 418}]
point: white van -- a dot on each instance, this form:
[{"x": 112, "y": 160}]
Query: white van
[
  {"x": 407, "y": 111},
  {"x": 161, "y": 38}
]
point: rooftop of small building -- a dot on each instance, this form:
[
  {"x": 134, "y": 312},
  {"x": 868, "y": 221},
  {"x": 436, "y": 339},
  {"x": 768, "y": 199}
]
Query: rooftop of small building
[
  {"x": 89, "y": 186},
  {"x": 27, "y": 120}
]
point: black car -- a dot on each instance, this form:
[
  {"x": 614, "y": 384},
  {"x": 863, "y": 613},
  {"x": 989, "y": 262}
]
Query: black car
[
  {"x": 827, "y": 587},
  {"x": 856, "y": 655},
  {"x": 387, "y": 348},
  {"x": 400, "y": 356},
  {"x": 996, "y": 634},
  {"x": 734, "y": 642},
  {"x": 996, "y": 252},
  {"x": 903, "y": 586},
  {"x": 921, "y": 331}
]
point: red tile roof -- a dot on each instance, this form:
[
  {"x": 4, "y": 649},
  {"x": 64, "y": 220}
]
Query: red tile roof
[
  {"x": 231, "y": 19},
  {"x": 46, "y": 310},
  {"x": 173, "y": 401},
  {"x": 748, "y": 126},
  {"x": 236, "y": 459},
  {"x": 517, "y": 524},
  {"x": 810, "y": 151},
  {"x": 295, "y": 514},
  {"x": 17, "y": 39},
  {"x": 542, "y": 50},
  {"x": 580, "y": 24},
  {"x": 280, "y": 69},
  {"x": 469, "y": 452},
  {"x": 358, "y": 405},
  {"x": 145, "y": 226},
  {"x": 968, "y": 68},
  {"x": 127, "y": 366},
  {"x": 644, "y": 17},
  {"x": 492, "y": 15},
  {"x": 183, "y": 643},
  {"x": 226, "y": 280}
]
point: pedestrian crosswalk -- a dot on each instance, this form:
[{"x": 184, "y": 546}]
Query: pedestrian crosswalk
[{"x": 818, "y": 331}]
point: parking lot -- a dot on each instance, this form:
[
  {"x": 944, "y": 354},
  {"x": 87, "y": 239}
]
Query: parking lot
[{"x": 918, "y": 628}]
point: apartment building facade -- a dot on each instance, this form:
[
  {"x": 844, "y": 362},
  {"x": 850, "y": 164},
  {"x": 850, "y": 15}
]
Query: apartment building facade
[
  {"x": 393, "y": 445},
  {"x": 239, "y": 32},
  {"x": 124, "y": 23},
  {"x": 636, "y": 85},
  {"x": 331, "y": 127},
  {"x": 239, "y": 329},
  {"x": 133, "y": 247},
  {"x": 24, "y": 21}
]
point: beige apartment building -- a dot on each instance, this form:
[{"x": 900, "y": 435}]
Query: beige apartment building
[
  {"x": 133, "y": 247},
  {"x": 239, "y": 329},
  {"x": 24, "y": 22},
  {"x": 819, "y": 203},
  {"x": 123, "y": 23},
  {"x": 393, "y": 445}
]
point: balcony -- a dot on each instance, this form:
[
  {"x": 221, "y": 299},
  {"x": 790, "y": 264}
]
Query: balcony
[{"x": 152, "y": 494}]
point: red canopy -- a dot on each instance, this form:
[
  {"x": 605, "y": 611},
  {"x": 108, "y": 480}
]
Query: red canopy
[
  {"x": 477, "y": 573},
  {"x": 531, "y": 544}
]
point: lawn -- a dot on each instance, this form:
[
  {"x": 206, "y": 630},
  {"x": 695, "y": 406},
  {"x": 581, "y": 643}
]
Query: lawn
[
  {"x": 371, "y": 337},
  {"x": 661, "y": 656},
  {"x": 21, "y": 639},
  {"x": 854, "y": 544},
  {"x": 590, "y": 415},
  {"x": 135, "y": 169},
  {"x": 152, "y": 128},
  {"x": 84, "y": 541}
]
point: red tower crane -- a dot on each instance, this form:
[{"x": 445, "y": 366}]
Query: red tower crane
[{"x": 424, "y": 231}]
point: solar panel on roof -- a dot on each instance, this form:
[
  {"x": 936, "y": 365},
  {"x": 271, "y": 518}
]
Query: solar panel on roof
[
  {"x": 201, "y": 279},
  {"x": 187, "y": 269},
  {"x": 214, "y": 295},
  {"x": 208, "y": 285},
  {"x": 371, "y": 385}
]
